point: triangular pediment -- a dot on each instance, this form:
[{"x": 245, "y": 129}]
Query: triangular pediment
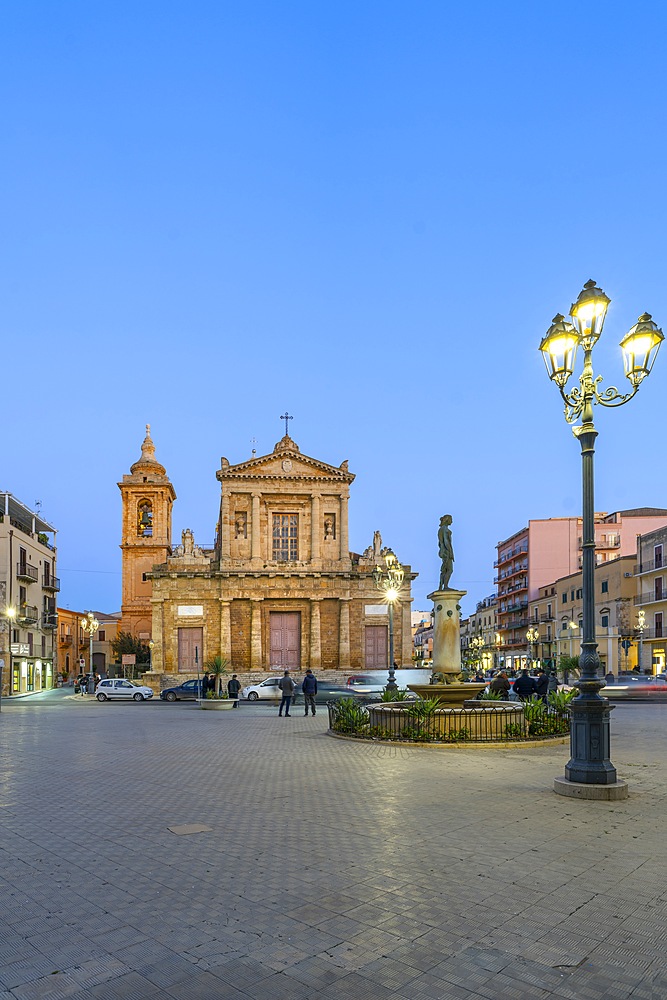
[{"x": 287, "y": 463}]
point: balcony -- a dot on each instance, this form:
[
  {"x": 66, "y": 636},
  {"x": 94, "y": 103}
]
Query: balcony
[
  {"x": 65, "y": 640},
  {"x": 517, "y": 606},
  {"x": 27, "y": 615},
  {"x": 648, "y": 565},
  {"x": 651, "y": 597},
  {"x": 24, "y": 571},
  {"x": 49, "y": 620},
  {"x": 51, "y": 583},
  {"x": 546, "y": 618}
]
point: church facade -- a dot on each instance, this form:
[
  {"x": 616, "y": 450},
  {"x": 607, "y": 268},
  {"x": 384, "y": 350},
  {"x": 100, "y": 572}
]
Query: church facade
[{"x": 279, "y": 590}]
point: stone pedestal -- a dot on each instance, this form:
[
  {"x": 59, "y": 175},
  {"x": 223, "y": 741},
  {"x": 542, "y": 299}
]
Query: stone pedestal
[{"x": 447, "y": 630}]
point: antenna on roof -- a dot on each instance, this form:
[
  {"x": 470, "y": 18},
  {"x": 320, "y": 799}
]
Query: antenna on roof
[
  {"x": 38, "y": 506},
  {"x": 253, "y": 442}
]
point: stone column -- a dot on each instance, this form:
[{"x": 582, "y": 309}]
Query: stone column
[
  {"x": 315, "y": 635},
  {"x": 256, "y": 633},
  {"x": 225, "y": 527},
  {"x": 447, "y": 630},
  {"x": 315, "y": 526},
  {"x": 344, "y": 633},
  {"x": 344, "y": 540},
  {"x": 157, "y": 635},
  {"x": 407, "y": 648},
  {"x": 225, "y": 630},
  {"x": 255, "y": 550}
]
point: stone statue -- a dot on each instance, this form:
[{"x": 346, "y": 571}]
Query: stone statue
[
  {"x": 377, "y": 544},
  {"x": 328, "y": 527},
  {"x": 445, "y": 551},
  {"x": 188, "y": 540}
]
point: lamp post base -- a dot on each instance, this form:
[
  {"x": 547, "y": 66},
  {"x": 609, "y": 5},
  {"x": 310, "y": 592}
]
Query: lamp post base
[
  {"x": 601, "y": 793},
  {"x": 589, "y": 762}
]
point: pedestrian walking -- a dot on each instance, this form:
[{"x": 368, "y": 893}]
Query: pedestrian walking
[
  {"x": 309, "y": 688},
  {"x": 288, "y": 687},
  {"x": 83, "y": 686},
  {"x": 233, "y": 688},
  {"x": 552, "y": 686},
  {"x": 542, "y": 686},
  {"x": 524, "y": 685}
]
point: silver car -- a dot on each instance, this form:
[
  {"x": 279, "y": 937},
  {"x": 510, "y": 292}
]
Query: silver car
[
  {"x": 119, "y": 688},
  {"x": 266, "y": 690}
]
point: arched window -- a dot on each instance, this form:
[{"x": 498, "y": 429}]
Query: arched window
[{"x": 145, "y": 519}]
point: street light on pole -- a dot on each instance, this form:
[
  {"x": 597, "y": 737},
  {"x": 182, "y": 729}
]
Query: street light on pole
[
  {"x": 532, "y": 636},
  {"x": 639, "y": 629},
  {"x": 90, "y": 625},
  {"x": 389, "y": 581},
  {"x": 10, "y": 615},
  {"x": 589, "y": 763}
]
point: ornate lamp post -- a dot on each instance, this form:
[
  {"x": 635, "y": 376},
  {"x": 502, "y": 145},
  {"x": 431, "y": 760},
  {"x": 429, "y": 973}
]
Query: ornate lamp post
[
  {"x": 639, "y": 629},
  {"x": 532, "y": 636},
  {"x": 90, "y": 625},
  {"x": 590, "y": 730},
  {"x": 10, "y": 615},
  {"x": 389, "y": 582},
  {"x": 477, "y": 645},
  {"x": 150, "y": 654}
]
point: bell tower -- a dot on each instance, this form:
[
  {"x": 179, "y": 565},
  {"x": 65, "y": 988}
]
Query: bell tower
[{"x": 148, "y": 497}]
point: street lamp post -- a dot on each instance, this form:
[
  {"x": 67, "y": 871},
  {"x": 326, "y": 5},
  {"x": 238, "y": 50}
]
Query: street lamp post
[
  {"x": 477, "y": 645},
  {"x": 90, "y": 625},
  {"x": 590, "y": 730},
  {"x": 10, "y": 615},
  {"x": 639, "y": 629},
  {"x": 150, "y": 654},
  {"x": 389, "y": 581},
  {"x": 532, "y": 636}
]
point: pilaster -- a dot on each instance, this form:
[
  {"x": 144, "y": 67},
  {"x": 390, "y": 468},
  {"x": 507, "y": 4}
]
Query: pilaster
[
  {"x": 225, "y": 630},
  {"x": 256, "y": 633},
  {"x": 315, "y": 635},
  {"x": 255, "y": 546},
  {"x": 315, "y": 527},
  {"x": 344, "y": 634}
]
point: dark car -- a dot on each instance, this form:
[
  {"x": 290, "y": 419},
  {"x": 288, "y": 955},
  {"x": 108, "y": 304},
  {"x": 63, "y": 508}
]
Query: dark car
[
  {"x": 187, "y": 691},
  {"x": 334, "y": 692}
]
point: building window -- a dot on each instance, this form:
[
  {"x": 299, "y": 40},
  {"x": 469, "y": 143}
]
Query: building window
[
  {"x": 605, "y": 586},
  {"x": 604, "y": 621},
  {"x": 563, "y": 599},
  {"x": 579, "y": 593},
  {"x": 101, "y": 635},
  {"x": 285, "y": 537},
  {"x": 658, "y": 588},
  {"x": 657, "y": 553},
  {"x": 657, "y": 621}
]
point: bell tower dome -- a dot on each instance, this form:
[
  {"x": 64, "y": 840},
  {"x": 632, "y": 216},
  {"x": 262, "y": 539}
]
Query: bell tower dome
[{"x": 147, "y": 497}]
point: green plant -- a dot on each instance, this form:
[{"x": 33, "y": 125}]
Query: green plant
[
  {"x": 401, "y": 694},
  {"x": 513, "y": 730},
  {"x": 216, "y": 666},
  {"x": 560, "y": 700},
  {"x": 125, "y": 642},
  {"x": 568, "y": 665},
  {"x": 457, "y": 736},
  {"x": 490, "y": 696},
  {"x": 350, "y": 717}
]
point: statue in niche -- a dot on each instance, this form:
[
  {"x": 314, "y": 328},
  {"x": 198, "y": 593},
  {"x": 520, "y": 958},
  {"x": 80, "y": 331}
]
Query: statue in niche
[
  {"x": 328, "y": 528},
  {"x": 445, "y": 551},
  {"x": 377, "y": 544},
  {"x": 240, "y": 525},
  {"x": 188, "y": 541}
]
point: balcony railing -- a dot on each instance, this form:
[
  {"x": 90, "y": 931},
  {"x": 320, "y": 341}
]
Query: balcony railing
[
  {"x": 65, "y": 640},
  {"x": 546, "y": 618},
  {"x": 27, "y": 614},
  {"x": 651, "y": 597},
  {"x": 648, "y": 565},
  {"x": 50, "y": 620},
  {"x": 51, "y": 583},
  {"x": 659, "y": 632},
  {"x": 24, "y": 571}
]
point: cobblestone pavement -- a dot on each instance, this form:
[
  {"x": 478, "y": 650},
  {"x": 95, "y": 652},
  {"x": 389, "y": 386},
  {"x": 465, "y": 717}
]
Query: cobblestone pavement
[{"x": 331, "y": 871}]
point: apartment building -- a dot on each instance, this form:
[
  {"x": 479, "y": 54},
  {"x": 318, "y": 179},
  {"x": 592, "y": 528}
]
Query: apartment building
[
  {"x": 481, "y": 626},
  {"x": 550, "y": 549},
  {"x": 651, "y": 599},
  {"x": 557, "y": 614},
  {"x": 73, "y": 650},
  {"x": 28, "y": 588}
]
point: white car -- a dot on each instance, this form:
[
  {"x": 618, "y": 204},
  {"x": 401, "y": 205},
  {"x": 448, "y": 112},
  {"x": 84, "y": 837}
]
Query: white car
[
  {"x": 119, "y": 688},
  {"x": 267, "y": 690}
]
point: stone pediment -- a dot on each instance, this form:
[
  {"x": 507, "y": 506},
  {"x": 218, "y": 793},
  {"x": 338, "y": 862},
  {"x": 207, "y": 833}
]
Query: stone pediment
[{"x": 285, "y": 463}]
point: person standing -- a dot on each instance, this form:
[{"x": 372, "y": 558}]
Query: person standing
[
  {"x": 524, "y": 686},
  {"x": 552, "y": 686},
  {"x": 83, "y": 685},
  {"x": 233, "y": 688},
  {"x": 288, "y": 687},
  {"x": 309, "y": 688},
  {"x": 542, "y": 686},
  {"x": 500, "y": 685}
]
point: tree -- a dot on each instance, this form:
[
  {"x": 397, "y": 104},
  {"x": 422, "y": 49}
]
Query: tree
[
  {"x": 567, "y": 665},
  {"x": 216, "y": 666},
  {"x": 125, "y": 642}
]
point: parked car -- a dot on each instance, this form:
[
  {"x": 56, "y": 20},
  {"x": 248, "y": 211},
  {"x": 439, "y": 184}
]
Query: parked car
[
  {"x": 267, "y": 690},
  {"x": 187, "y": 691},
  {"x": 120, "y": 688},
  {"x": 365, "y": 684},
  {"x": 638, "y": 688},
  {"x": 334, "y": 692}
]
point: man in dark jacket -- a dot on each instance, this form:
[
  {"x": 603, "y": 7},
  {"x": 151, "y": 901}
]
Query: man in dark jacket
[
  {"x": 542, "y": 686},
  {"x": 524, "y": 685},
  {"x": 500, "y": 685},
  {"x": 309, "y": 688},
  {"x": 288, "y": 687},
  {"x": 233, "y": 688}
]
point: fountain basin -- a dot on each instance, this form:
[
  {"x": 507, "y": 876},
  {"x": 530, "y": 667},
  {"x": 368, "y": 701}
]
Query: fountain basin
[{"x": 451, "y": 695}]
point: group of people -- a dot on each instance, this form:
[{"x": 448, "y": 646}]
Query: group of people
[
  {"x": 525, "y": 686},
  {"x": 207, "y": 683},
  {"x": 288, "y": 687}
]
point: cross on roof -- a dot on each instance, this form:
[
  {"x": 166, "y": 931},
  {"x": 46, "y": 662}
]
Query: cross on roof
[{"x": 285, "y": 416}]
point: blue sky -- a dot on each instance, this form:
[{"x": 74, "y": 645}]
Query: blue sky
[{"x": 366, "y": 213}]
